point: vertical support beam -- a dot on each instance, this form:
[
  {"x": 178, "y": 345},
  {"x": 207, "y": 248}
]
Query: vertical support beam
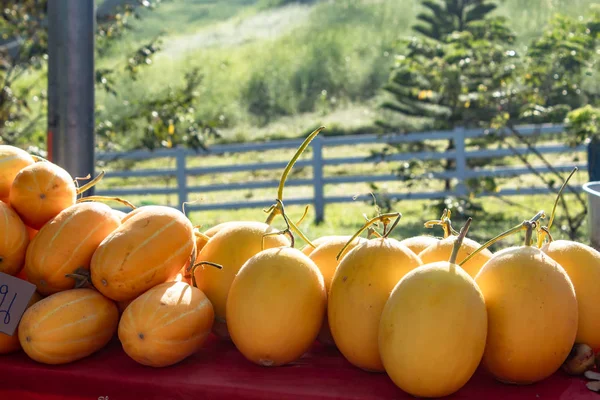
[
  {"x": 317, "y": 165},
  {"x": 71, "y": 29},
  {"x": 461, "y": 161},
  {"x": 181, "y": 177}
]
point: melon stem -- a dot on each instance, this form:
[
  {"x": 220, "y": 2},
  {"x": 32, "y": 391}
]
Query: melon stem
[
  {"x": 104, "y": 198},
  {"x": 522, "y": 226},
  {"x": 381, "y": 218},
  {"x": 91, "y": 183},
  {"x": 192, "y": 270},
  {"x": 459, "y": 241},
  {"x": 445, "y": 222},
  {"x": 558, "y": 196}
]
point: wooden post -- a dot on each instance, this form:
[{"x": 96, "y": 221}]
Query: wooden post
[{"x": 317, "y": 164}]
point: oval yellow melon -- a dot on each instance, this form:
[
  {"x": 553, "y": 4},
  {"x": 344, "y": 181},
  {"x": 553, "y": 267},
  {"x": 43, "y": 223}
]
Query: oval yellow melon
[
  {"x": 433, "y": 330},
  {"x": 419, "y": 243},
  {"x": 144, "y": 251},
  {"x": 582, "y": 264},
  {"x": 40, "y": 191},
  {"x": 361, "y": 285},
  {"x": 324, "y": 256},
  {"x": 119, "y": 214},
  {"x": 11, "y": 344},
  {"x": 165, "y": 325},
  {"x": 12, "y": 160},
  {"x": 230, "y": 247},
  {"x": 317, "y": 242},
  {"x": 276, "y": 306},
  {"x": 68, "y": 326},
  {"x": 441, "y": 250},
  {"x": 67, "y": 243},
  {"x": 14, "y": 240},
  {"x": 532, "y": 314}
]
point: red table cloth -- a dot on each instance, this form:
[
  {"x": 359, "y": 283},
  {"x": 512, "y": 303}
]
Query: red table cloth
[{"x": 219, "y": 371}]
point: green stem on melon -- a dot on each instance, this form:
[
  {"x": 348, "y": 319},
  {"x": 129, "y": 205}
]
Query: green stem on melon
[
  {"x": 528, "y": 233},
  {"x": 459, "y": 240},
  {"x": 104, "y": 198},
  {"x": 201, "y": 235},
  {"x": 274, "y": 210},
  {"x": 91, "y": 183},
  {"x": 366, "y": 226},
  {"x": 303, "y": 215},
  {"x": 562, "y": 188},
  {"x": 82, "y": 277},
  {"x": 38, "y": 158},
  {"x": 522, "y": 226}
]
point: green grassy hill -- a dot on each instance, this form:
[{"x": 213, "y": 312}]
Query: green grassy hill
[{"x": 278, "y": 71}]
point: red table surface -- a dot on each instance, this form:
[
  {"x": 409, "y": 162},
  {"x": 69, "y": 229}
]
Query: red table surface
[{"x": 220, "y": 371}]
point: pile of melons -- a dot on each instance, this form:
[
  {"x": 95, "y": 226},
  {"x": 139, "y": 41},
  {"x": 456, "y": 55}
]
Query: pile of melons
[{"x": 427, "y": 311}]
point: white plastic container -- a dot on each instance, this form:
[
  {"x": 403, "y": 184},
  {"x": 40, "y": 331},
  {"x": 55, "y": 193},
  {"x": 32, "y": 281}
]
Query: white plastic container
[{"x": 593, "y": 194}]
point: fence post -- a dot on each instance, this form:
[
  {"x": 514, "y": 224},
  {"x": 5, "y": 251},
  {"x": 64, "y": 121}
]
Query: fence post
[
  {"x": 181, "y": 177},
  {"x": 317, "y": 166},
  {"x": 461, "y": 161}
]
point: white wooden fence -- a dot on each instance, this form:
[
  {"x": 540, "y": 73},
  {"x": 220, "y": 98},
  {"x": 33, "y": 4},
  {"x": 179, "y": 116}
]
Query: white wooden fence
[{"x": 319, "y": 180}]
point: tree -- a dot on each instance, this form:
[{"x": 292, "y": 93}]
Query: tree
[
  {"x": 24, "y": 53},
  {"x": 446, "y": 76}
]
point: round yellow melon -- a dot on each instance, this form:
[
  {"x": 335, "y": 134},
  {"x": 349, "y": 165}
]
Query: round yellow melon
[
  {"x": 441, "y": 250},
  {"x": 40, "y": 191},
  {"x": 532, "y": 315},
  {"x": 324, "y": 256},
  {"x": 582, "y": 264},
  {"x": 166, "y": 324},
  {"x": 14, "y": 241},
  {"x": 419, "y": 243},
  {"x": 360, "y": 287},
  {"x": 230, "y": 247},
  {"x": 68, "y": 326},
  {"x": 151, "y": 245},
  {"x": 276, "y": 306},
  {"x": 66, "y": 244},
  {"x": 12, "y": 160},
  {"x": 433, "y": 330}
]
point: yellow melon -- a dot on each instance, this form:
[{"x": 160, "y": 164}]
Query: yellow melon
[
  {"x": 419, "y": 243},
  {"x": 12, "y": 160},
  {"x": 150, "y": 246},
  {"x": 66, "y": 244},
  {"x": 230, "y": 247},
  {"x": 532, "y": 314},
  {"x": 14, "y": 240},
  {"x": 276, "y": 306},
  {"x": 166, "y": 324},
  {"x": 582, "y": 264},
  {"x": 68, "y": 326},
  {"x": 11, "y": 344},
  {"x": 433, "y": 330},
  {"x": 361, "y": 285}
]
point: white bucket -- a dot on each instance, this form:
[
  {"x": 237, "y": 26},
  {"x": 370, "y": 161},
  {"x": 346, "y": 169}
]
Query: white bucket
[{"x": 593, "y": 194}]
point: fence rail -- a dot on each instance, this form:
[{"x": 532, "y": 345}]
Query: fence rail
[{"x": 461, "y": 173}]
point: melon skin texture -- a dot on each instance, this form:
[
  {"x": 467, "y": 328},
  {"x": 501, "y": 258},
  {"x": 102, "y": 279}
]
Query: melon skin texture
[
  {"x": 532, "y": 315},
  {"x": 40, "y": 191},
  {"x": 582, "y": 264},
  {"x": 442, "y": 249},
  {"x": 68, "y": 326},
  {"x": 317, "y": 242},
  {"x": 231, "y": 246},
  {"x": 67, "y": 243},
  {"x": 419, "y": 243},
  {"x": 433, "y": 330},
  {"x": 166, "y": 324},
  {"x": 361, "y": 286},
  {"x": 12, "y": 160},
  {"x": 151, "y": 245},
  {"x": 11, "y": 344},
  {"x": 276, "y": 306},
  {"x": 324, "y": 256},
  {"x": 13, "y": 241}
]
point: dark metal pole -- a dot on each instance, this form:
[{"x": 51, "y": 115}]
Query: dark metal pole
[{"x": 71, "y": 28}]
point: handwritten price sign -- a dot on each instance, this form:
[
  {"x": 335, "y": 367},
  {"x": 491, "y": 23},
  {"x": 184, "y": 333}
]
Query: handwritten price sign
[{"x": 15, "y": 294}]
